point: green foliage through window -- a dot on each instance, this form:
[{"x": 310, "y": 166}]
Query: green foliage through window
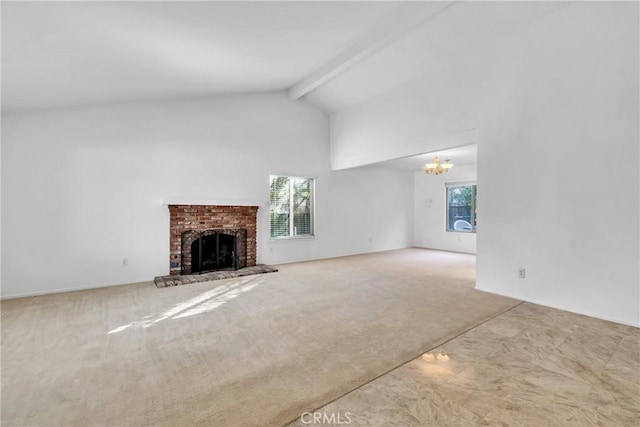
[
  {"x": 291, "y": 208},
  {"x": 461, "y": 207}
]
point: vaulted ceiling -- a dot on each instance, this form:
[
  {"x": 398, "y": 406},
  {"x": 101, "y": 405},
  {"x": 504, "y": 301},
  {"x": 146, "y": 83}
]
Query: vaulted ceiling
[{"x": 335, "y": 54}]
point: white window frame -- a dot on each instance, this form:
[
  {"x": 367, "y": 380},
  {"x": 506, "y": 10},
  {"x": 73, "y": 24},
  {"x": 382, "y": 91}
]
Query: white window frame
[
  {"x": 473, "y": 205},
  {"x": 291, "y": 235}
]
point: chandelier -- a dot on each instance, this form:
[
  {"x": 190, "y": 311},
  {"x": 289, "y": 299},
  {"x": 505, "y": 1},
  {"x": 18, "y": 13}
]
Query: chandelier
[{"x": 438, "y": 168}]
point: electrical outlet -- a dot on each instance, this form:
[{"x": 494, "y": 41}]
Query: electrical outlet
[
  {"x": 521, "y": 273},
  {"x": 125, "y": 262}
]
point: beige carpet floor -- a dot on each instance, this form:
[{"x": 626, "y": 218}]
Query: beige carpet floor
[{"x": 257, "y": 350}]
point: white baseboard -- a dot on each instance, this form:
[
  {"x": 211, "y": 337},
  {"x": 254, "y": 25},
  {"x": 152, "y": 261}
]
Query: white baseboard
[
  {"x": 558, "y": 307},
  {"x": 63, "y": 290}
]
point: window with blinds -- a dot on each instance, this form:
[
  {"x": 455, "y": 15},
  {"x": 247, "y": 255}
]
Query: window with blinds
[{"x": 291, "y": 207}]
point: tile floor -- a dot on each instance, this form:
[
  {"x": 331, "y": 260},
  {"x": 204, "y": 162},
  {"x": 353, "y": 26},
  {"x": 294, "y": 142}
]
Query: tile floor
[{"x": 531, "y": 366}]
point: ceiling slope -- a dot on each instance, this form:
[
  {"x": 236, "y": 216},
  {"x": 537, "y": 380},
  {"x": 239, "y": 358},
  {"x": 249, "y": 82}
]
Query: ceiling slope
[
  {"x": 58, "y": 54},
  {"x": 454, "y": 32}
]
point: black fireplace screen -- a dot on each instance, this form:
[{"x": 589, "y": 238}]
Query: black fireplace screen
[{"x": 213, "y": 249}]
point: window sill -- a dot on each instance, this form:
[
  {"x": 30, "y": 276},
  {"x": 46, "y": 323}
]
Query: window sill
[
  {"x": 291, "y": 239},
  {"x": 461, "y": 231}
]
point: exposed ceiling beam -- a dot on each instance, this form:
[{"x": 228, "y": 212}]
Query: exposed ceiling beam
[{"x": 399, "y": 23}]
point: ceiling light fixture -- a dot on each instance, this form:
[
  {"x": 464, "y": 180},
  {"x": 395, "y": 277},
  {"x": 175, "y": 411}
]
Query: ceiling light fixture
[{"x": 438, "y": 168}]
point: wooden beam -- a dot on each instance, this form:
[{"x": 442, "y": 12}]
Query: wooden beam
[{"x": 403, "y": 20}]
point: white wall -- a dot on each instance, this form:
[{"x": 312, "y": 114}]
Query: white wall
[
  {"x": 430, "y": 211},
  {"x": 572, "y": 225},
  {"x": 359, "y": 210},
  {"x": 550, "y": 102},
  {"x": 83, "y": 188}
]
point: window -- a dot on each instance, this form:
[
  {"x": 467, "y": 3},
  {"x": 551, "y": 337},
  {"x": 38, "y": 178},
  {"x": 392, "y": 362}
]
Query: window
[
  {"x": 291, "y": 209},
  {"x": 461, "y": 207}
]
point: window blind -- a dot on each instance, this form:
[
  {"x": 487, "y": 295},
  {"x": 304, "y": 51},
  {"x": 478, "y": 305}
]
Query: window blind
[{"x": 291, "y": 208}]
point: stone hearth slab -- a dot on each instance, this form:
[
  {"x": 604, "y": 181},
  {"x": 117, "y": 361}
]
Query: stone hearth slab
[{"x": 168, "y": 281}]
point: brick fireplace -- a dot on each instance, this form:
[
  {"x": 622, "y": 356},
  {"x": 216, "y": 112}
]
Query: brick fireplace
[{"x": 206, "y": 220}]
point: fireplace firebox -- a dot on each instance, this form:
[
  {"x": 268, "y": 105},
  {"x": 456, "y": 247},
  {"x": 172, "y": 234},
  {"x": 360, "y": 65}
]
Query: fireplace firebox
[{"x": 212, "y": 250}]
